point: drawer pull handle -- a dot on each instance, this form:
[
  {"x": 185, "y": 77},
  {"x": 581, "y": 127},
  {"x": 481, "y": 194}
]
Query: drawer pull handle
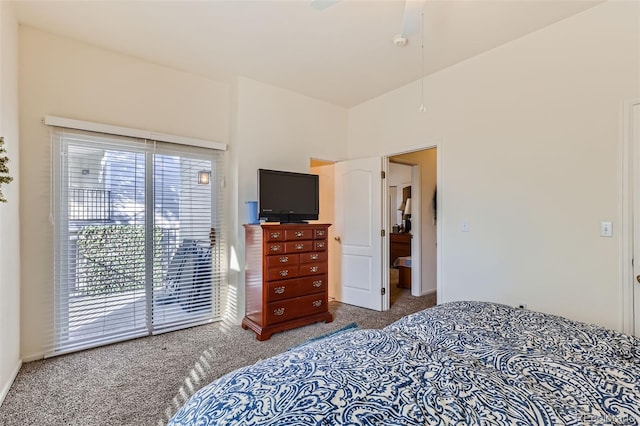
[
  {"x": 320, "y": 233},
  {"x": 299, "y": 246},
  {"x": 284, "y": 272},
  {"x": 278, "y": 312},
  {"x": 314, "y": 269},
  {"x": 314, "y": 257},
  {"x": 320, "y": 244},
  {"x": 284, "y": 259},
  {"x": 275, "y": 235},
  {"x": 275, "y": 248},
  {"x": 317, "y": 283},
  {"x": 279, "y": 290},
  {"x": 317, "y": 303},
  {"x": 299, "y": 234}
]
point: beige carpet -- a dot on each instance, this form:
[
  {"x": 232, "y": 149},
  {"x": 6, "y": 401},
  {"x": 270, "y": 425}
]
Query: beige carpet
[
  {"x": 395, "y": 291},
  {"x": 143, "y": 381}
]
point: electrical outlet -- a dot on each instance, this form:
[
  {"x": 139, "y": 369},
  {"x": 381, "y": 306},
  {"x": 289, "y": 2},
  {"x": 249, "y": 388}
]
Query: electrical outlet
[{"x": 522, "y": 306}]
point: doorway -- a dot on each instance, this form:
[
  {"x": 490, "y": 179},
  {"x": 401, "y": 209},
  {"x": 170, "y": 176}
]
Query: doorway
[
  {"x": 351, "y": 200},
  {"x": 326, "y": 172},
  {"x": 422, "y": 181},
  {"x": 413, "y": 213},
  {"x": 400, "y": 188}
]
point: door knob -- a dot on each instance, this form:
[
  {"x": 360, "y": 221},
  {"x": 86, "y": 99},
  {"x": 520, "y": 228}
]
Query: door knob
[
  {"x": 338, "y": 240},
  {"x": 638, "y": 278}
]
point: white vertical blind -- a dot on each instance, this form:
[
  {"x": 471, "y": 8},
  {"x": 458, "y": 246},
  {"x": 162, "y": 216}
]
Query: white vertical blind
[
  {"x": 188, "y": 283},
  {"x": 133, "y": 254}
]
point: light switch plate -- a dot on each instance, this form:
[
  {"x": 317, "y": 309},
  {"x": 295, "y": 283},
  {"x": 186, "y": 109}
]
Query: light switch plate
[{"x": 606, "y": 229}]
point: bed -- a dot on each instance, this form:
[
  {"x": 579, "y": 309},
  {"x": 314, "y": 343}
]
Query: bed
[{"x": 457, "y": 363}]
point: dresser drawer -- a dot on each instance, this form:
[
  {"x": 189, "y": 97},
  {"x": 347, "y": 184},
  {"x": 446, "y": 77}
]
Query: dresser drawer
[
  {"x": 298, "y": 234},
  {"x": 282, "y": 260},
  {"x": 320, "y": 256},
  {"x": 310, "y": 285},
  {"x": 274, "y": 235},
  {"x": 282, "y": 273},
  {"x": 320, "y": 245},
  {"x": 298, "y": 246},
  {"x": 297, "y": 307},
  {"x": 274, "y": 248},
  {"x": 313, "y": 304},
  {"x": 313, "y": 268},
  {"x": 283, "y": 310},
  {"x": 278, "y": 290},
  {"x": 320, "y": 233}
]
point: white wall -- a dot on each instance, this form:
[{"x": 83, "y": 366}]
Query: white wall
[
  {"x": 276, "y": 129},
  {"x": 62, "y": 77},
  {"x": 529, "y": 135},
  {"x": 9, "y": 212},
  {"x": 399, "y": 176}
]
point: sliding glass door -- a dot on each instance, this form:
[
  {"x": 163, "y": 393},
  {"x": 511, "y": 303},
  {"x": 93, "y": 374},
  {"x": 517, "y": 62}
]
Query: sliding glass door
[{"x": 138, "y": 233}]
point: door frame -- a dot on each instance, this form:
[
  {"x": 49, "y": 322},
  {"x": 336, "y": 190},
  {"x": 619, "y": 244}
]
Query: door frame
[
  {"x": 630, "y": 203},
  {"x": 416, "y": 241},
  {"x": 416, "y": 227}
]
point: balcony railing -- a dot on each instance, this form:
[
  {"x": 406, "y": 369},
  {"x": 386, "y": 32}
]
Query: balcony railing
[{"x": 89, "y": 204}]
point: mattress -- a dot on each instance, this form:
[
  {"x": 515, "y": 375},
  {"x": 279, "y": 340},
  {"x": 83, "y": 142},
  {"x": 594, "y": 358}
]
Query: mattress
[{"x": 456, "y": 363}]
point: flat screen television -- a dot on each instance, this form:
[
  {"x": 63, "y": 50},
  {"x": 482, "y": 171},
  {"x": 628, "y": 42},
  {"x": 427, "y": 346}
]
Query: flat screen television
[{"x": 287, "y": 196}]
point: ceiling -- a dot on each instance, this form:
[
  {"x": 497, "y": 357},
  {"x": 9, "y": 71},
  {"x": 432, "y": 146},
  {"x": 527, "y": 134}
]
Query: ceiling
[{"x": 343, "y": 54}]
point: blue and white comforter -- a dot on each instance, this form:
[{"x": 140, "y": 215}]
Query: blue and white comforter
[{"x": 457, "y": 363}]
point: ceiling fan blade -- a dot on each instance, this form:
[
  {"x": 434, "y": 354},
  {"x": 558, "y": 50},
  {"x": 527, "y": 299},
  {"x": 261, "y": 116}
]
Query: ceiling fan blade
[{"x": 412, "y": 18}]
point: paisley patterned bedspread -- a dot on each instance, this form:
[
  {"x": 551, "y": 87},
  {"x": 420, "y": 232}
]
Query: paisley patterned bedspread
[{"x": 465, "y": 363}]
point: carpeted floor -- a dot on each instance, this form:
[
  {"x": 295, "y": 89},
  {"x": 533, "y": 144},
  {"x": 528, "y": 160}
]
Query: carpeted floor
[{"x": 143, "y": 381}]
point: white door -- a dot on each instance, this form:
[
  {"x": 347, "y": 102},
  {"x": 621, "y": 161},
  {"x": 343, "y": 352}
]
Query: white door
[{"x": 358, "y": 225}]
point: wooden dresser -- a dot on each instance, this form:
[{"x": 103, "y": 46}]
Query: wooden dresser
[
  {"x": 286, "y": 277},
  {"x": 400, "y": 246}
]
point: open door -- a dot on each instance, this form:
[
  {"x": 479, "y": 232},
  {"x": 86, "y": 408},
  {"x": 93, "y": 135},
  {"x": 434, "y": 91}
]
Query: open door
[{"x": 358, "y": 226}]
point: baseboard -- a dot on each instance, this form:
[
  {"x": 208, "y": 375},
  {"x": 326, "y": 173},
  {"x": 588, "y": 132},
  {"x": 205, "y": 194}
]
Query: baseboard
[
  {"x": 33, "y": 357},
  {"x": 429, "y": 292},
  {"x": 5, "y": 388}
]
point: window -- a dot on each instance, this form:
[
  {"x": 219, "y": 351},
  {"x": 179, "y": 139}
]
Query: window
[{"x": 139, "y": 240}]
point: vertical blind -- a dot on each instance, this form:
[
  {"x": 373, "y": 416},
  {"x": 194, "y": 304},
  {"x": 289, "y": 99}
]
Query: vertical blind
[{"x": 139, "y": 239}]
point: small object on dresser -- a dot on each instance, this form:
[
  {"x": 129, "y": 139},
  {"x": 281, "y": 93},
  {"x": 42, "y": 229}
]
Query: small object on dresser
[{"x": 252, "y": 212}]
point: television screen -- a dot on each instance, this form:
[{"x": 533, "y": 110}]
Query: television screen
[{"x": 287, "y": 196}]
